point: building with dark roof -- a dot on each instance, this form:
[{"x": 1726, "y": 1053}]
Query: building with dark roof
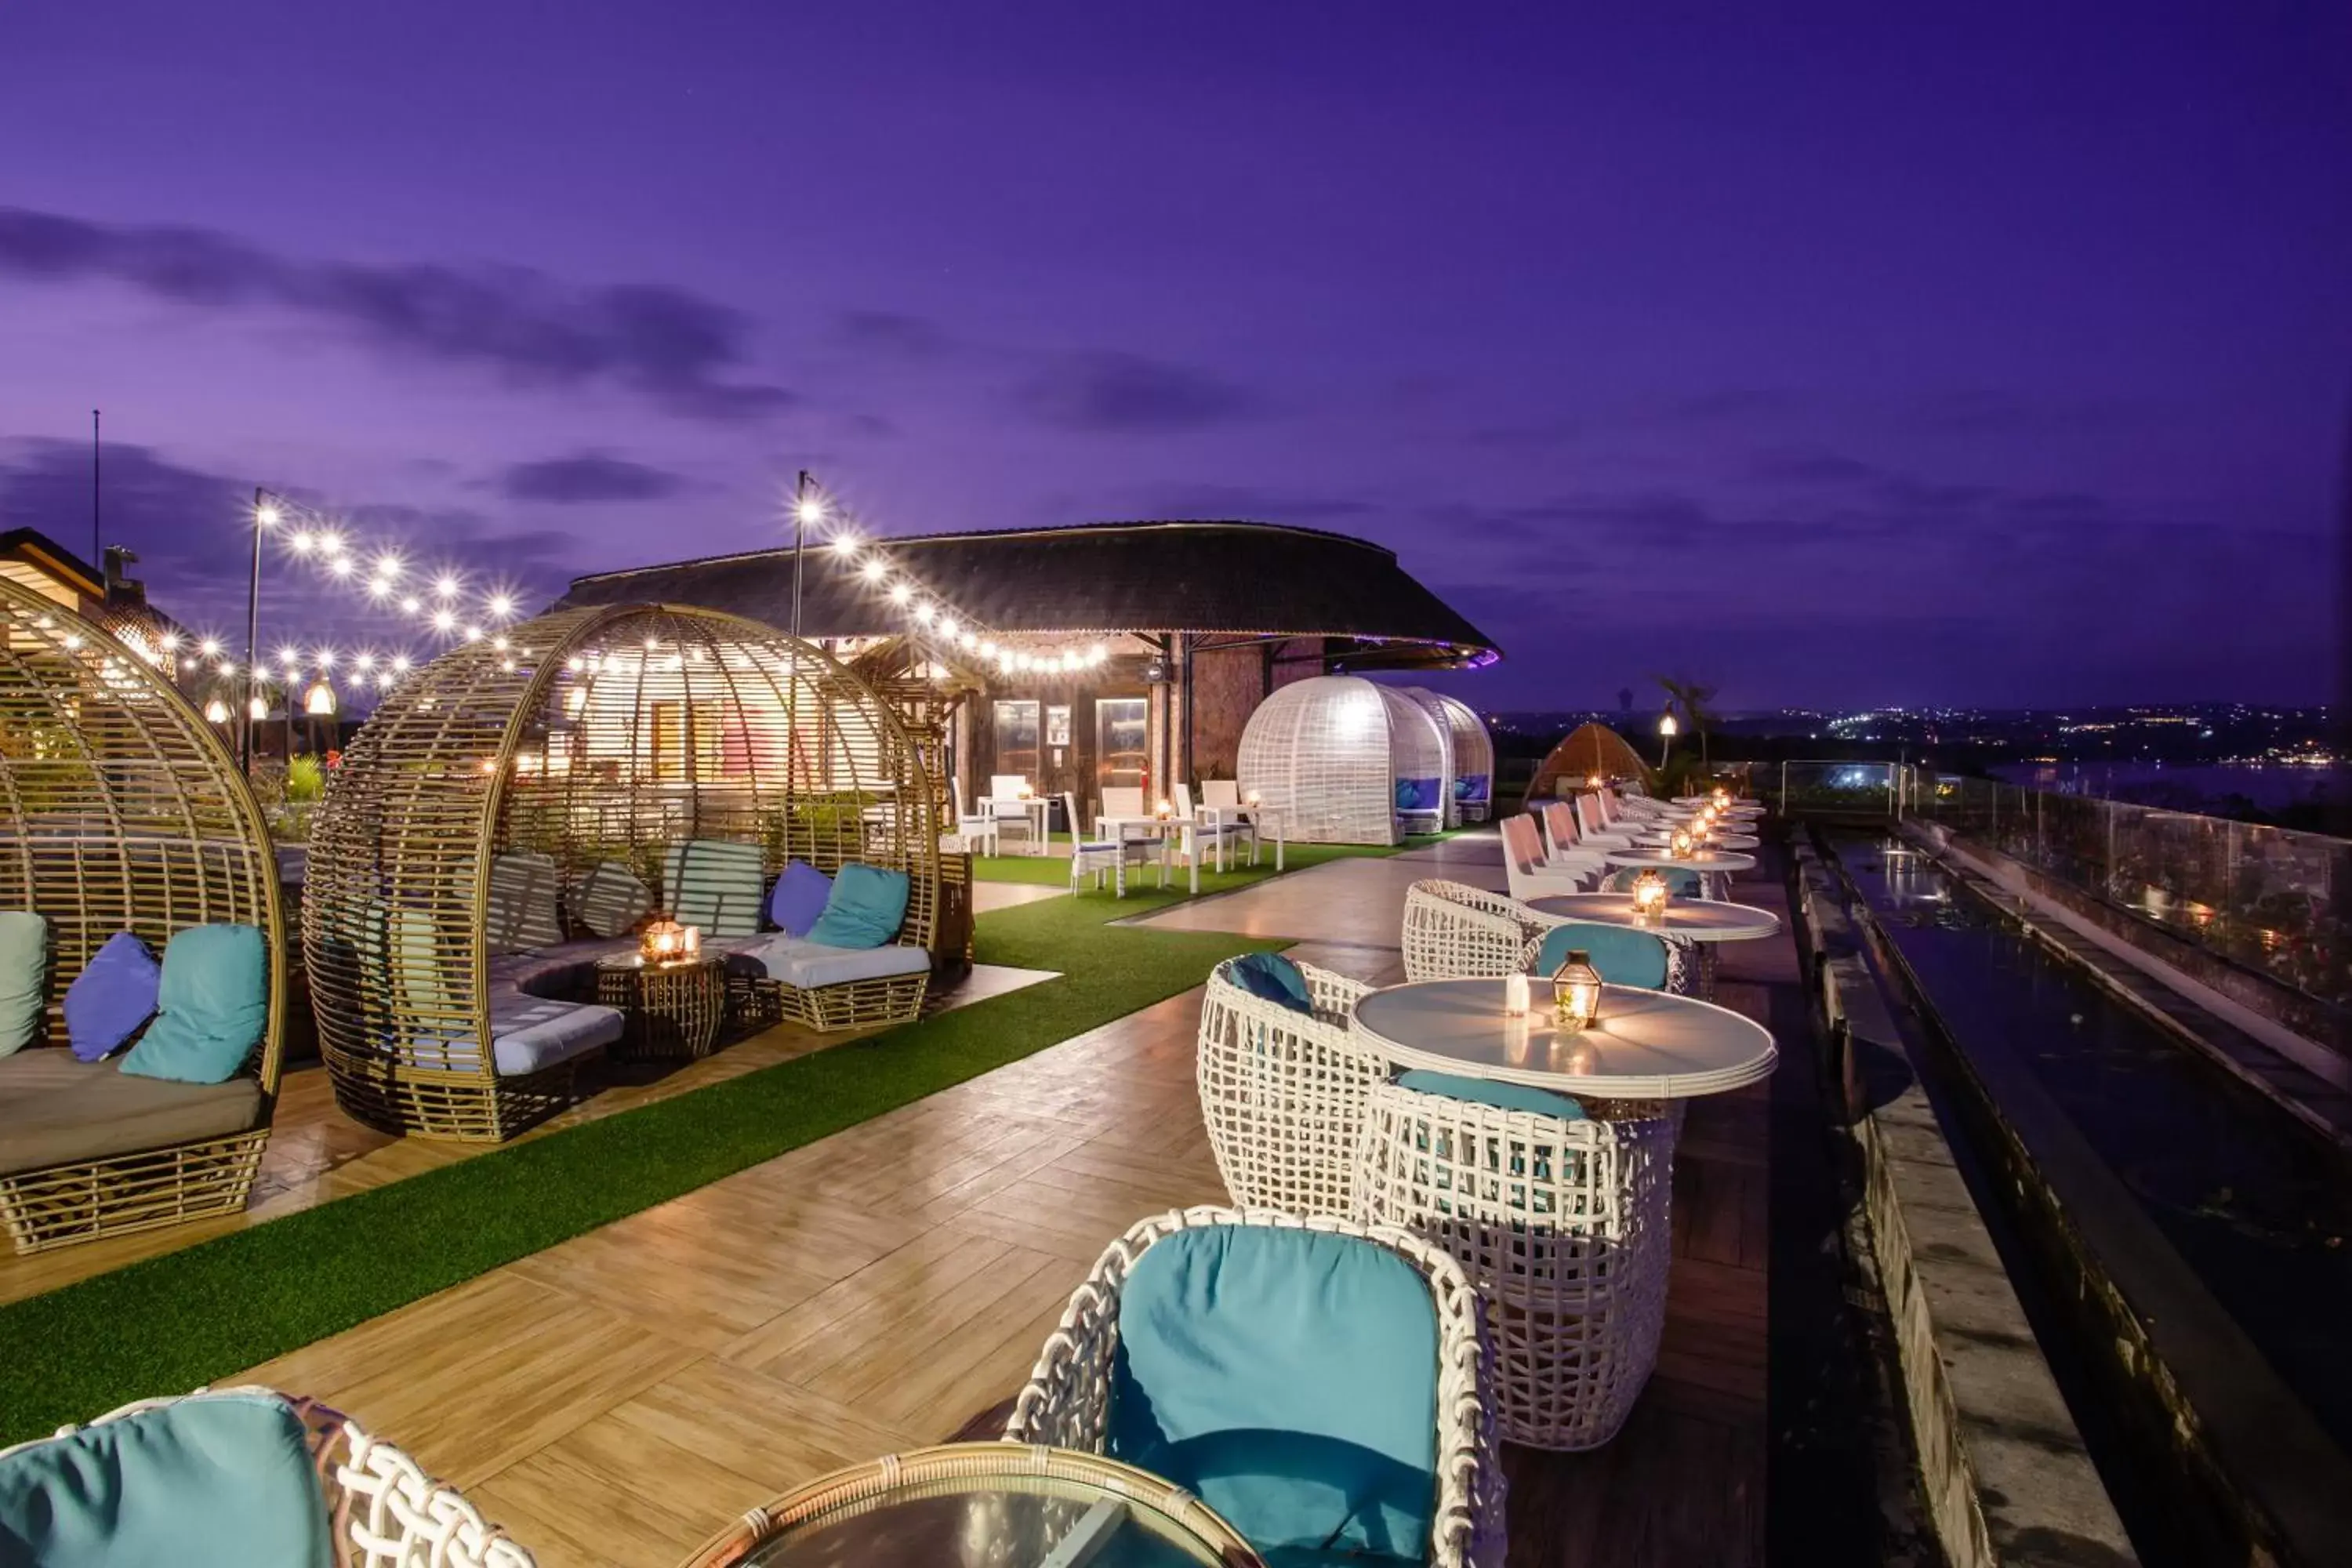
[{"x": 1116, "y": 653}]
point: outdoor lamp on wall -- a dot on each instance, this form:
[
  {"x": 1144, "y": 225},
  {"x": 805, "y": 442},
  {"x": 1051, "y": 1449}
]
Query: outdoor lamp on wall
[
  {"x": 1575, "y": 993},
  {"x": 1650, "y": 896}
]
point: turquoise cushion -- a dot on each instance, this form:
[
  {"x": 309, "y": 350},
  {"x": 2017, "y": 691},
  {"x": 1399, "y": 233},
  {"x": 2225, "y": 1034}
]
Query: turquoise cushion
[
  {"x": 866, "y": 909},
  {"x": 1623, "y": 956},
  {"x": 220, "y": 1480},
  {"x": 214, "y": 1004},
  {"x": 1681, "y": 882},
  {"x": 1272, "y": 978},
  {"x": 24, "y": 977},
  {"x": 1502, "y": 1096},
  {"x": 1289, "y": 1379},
  {"x": 716, "y": 885}
]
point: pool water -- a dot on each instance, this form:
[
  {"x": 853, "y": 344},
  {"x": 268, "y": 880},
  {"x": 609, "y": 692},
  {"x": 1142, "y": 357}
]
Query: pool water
[{"x": 2257, "y": 1205}]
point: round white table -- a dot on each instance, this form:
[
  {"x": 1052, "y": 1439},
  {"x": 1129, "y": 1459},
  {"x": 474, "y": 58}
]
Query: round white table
[
  {"x": 1645, "y": 1045},
  {"x": 1712, "y": 865},
  {"x": 1704, "y": 921},
  {"x": 1737, "y": 803}
]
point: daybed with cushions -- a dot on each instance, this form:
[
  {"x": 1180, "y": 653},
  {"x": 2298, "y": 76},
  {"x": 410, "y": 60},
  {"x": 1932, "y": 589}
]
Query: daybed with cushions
[
  {"x": 506, "y": 818},
  {"x": 141, "y": 953}
]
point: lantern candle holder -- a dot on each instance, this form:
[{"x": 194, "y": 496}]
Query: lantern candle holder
[
  {"x": 1722, "y": 798},
  {"x": 1650, "y": 896},
  {"x": 1575, "y": 993},
  {"x": 1164, "y": 810},
  {"x": 666, "y": 941},
  {"x": 1681, "y": 845}
]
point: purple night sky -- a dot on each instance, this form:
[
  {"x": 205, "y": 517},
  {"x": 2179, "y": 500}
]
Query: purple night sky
[{"x": 1994, "y": 357}]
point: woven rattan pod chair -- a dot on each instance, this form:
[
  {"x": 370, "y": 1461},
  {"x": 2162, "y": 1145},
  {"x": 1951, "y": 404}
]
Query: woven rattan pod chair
[
  {"x": 1469, "y": 756},
  {"x": 591, "y": 749},
  {"x": 121, "y": 810},
  {"x": 378, "y": 1508},
  {"x": 1068, "y": 1401},
  {"x": 1281, "y": 1093},
  {"x": 1560, "y": 1223},
  {"x": 1335, "y": 757},
  {"x": 1455, "y": 931}
]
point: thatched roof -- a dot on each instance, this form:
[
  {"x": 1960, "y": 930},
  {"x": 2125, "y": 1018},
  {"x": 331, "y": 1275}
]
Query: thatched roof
[
  {"x": 1588, "y": 750},
  {"x": 1226, "y": 579}
]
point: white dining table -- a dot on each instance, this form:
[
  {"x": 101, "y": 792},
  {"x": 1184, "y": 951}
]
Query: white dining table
[
  {"x": 1036, "y": 807},
  {"x": 1712, "y": 865},
  {"x": 1644, "y": 1045},
  {"x": 1705, "y": 922}
]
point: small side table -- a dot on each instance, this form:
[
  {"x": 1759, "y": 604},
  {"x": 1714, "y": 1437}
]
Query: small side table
[{"x": 672, "y": 1009}]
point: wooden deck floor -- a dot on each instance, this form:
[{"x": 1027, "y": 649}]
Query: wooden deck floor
[{"x": 618, "y": 1397}]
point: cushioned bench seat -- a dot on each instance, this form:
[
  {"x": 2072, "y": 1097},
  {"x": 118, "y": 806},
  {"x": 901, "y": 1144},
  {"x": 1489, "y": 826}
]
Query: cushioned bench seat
[
  {"x": 56, "y": 1110},
  {"x": 808, "y": 965}
]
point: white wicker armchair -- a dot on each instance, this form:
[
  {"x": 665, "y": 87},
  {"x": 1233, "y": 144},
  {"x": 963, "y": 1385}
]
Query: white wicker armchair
[
  {"x": 1562, "y": 1228},
  {"x": 1455, "y": 931},
  {"x": 1067, "y": 1401},
  {"x": 1283, "y": 1093},
  {"x": 385, "y": 1510}
]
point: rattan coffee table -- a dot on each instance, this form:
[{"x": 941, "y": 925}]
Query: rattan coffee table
[
  {"x": 966, "y": 1504},
  {"x": 671, "y": 1009}
]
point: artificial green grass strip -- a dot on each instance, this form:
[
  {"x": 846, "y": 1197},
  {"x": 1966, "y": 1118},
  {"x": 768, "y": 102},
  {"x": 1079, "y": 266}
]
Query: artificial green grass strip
[
  {"x": 169, "y": 1323},
  {"x": 1053, "y": 870}
]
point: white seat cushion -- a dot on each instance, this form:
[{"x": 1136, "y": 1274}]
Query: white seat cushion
[
  {"x": 531, "y": 1033},
  {"x": 807, "y": 965}
]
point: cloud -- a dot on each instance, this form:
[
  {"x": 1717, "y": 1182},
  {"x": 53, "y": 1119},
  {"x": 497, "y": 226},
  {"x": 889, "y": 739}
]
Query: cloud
[
  {"x": 585, "y": 478},
  {"x": 1811, "y": 466},
  {"x": 1244, "y": 501},
  {"x": 893, "y": 332},
  {"x": 677, "y": 350},
  {"x": 1128, "y": 395}
]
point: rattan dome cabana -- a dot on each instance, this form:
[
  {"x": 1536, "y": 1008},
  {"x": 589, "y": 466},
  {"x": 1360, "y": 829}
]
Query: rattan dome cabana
[
  {"x": 514, "y": 810},
  {"x": 121, "y": 809},
  {"x": 1587, "y": 750},
  {"x": 1469, "y": 756},
  {"x": 1344, "y": 760}
]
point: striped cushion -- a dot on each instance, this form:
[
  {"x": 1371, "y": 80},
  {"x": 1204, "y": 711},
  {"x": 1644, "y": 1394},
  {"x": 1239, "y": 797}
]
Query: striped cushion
[
  {"x": 610, "y": 900},
  {"x": 522, "y": 912},
  {"x": 716, "y": 885}
]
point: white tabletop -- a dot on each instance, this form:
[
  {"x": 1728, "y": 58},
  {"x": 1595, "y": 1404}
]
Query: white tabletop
[
  {"x": 1737, "y": 803},
  {"x": 1645, "y": 1045},
  {"x": 1702, "y": 860},
  {"x": 1700, "y": 920}
]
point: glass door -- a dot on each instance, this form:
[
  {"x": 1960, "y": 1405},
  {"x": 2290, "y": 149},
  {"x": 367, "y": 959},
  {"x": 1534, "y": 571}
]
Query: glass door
[{"x": 1122, "y": 747}]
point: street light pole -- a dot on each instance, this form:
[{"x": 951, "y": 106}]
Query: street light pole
[
  {"x": 1667, "y": 728},
  {"x": 263, "y": 514},
  {"x": 808, "y": 506}
]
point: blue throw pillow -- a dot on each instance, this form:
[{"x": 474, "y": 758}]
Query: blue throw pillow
[
  {"x": 1271, "y": 977},
  {"x": 866, "y": 909},
  {"x": 215, "y": 998},
  {"x": 1502, "y": 1096},
  {"x": 800, "y": 895},
  {"x": 219, "y": 1480},
  {"x": 1289, "y": 1379},
  {"x": 114, "y": 994},
  {"x": 1416, "y": 794},
  {"x": 24, "y": 977}
]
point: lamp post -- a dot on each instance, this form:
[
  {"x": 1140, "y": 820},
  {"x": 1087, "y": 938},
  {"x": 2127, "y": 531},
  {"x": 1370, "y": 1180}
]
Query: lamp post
[
  {"x": 808, "y": 507},
  {"x": 318, "y": 702},
  {"x": 1667, "y": 730},
  {"x": 266, "y": 514}
]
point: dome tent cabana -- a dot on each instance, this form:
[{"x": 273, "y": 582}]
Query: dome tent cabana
[
  {"x": 121, "y": 809},
  {"x": 588, "y": 768},
  {"x": 1469, "y": 756},
  {"x": 1342, "y": 759},
  {"x": 1588, "y": 750}
]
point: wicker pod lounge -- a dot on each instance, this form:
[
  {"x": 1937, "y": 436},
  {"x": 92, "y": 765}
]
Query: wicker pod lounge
[
  {"x": 1469, "y": 756},
  {"x": 1261, "y": 1365},
  {"x": 120, "y": 810},
  {"x": 1343, "y": 759},
  {"x": 517, "y": 808}
]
